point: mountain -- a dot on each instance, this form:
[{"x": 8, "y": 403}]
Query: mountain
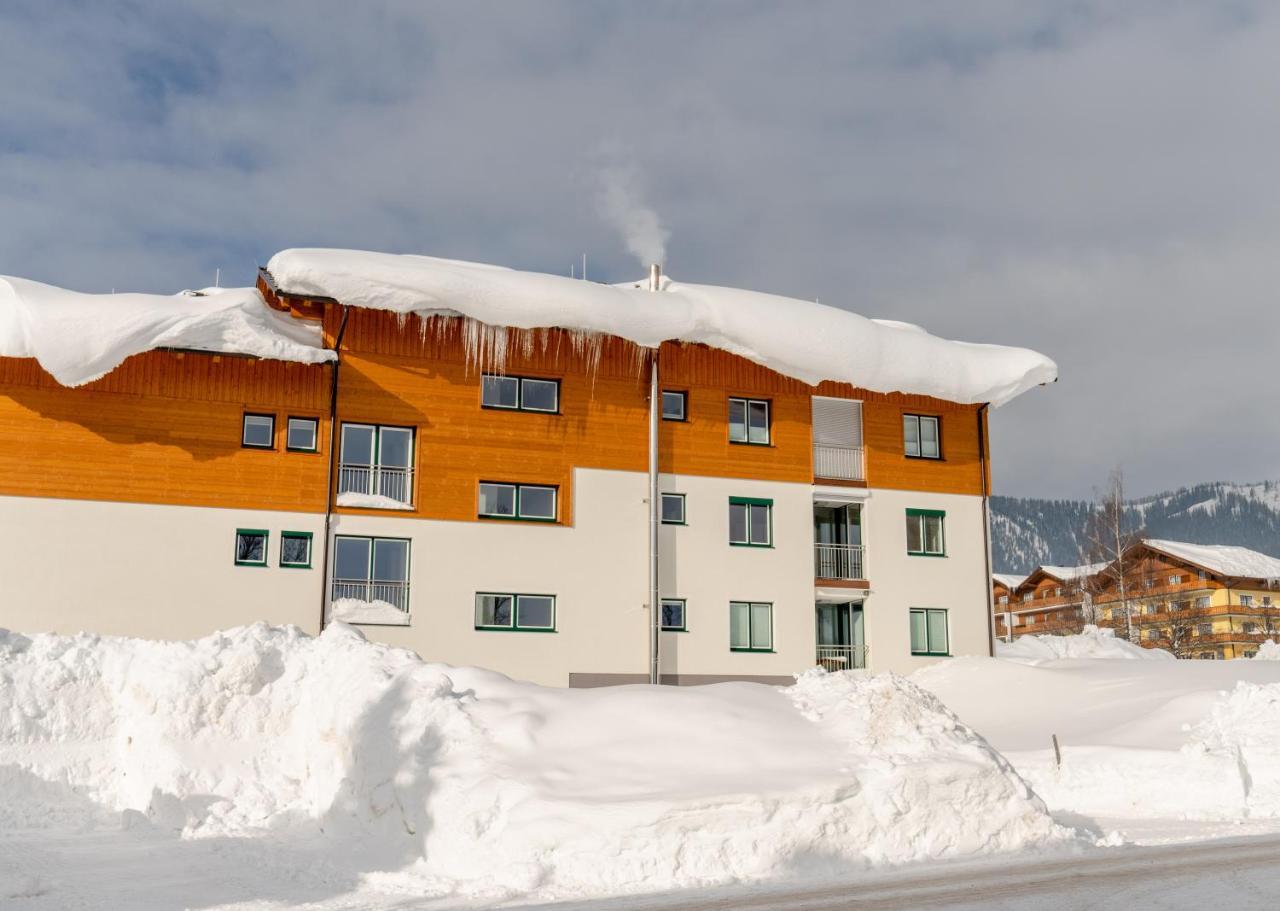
[{"x": 1026, "y": 532}]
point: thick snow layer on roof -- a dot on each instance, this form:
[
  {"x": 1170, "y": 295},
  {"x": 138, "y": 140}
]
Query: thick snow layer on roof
[
  {"x": 1224, "y": 559},
  {"x": 802, "y": 339},
  {"x": 80, "y": 337},
  {"x": 1071, "y": 573},
  {"x": 1009, "y": 580}
]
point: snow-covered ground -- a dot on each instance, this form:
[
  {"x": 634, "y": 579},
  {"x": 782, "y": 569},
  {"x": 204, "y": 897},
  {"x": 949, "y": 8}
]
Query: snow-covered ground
[{"x": 261, "y": 768}]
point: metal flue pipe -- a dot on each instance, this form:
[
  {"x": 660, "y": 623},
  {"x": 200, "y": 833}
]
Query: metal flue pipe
[{"x": 655, "y": 516}]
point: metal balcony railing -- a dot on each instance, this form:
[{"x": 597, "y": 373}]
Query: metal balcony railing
[
  {"x": 839, "y": 561},
  {"x": 842, "y": 657},
  {"x": 394, "y": 593},
  {"x": 842, "y": 463},
  {"x": 394, "y": 483}
]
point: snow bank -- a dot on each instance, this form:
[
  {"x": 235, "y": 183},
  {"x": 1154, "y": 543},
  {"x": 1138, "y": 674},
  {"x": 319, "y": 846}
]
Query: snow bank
[
  {"x": 352, "y": 610},
  {"x": 1093, "y": 642},
  {"x": 80, "y": 337},
  {"x": 802, "y": 339},
  {"x": 1268, "y": 651},
  {"x": 433, "y": 779}
]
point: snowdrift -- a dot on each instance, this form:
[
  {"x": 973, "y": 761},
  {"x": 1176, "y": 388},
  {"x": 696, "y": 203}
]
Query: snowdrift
[
  {"x": 1171, "y": 740},
  {"x": 1093, "y": 642},
  {"x": 456, "y": 780}
]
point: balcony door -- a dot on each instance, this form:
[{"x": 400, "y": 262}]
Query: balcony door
[
  {"x": 837, "y": 538},
  {"x": 840, "y": 636}
]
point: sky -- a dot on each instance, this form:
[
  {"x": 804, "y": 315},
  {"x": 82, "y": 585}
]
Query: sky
[{"x": 1094, "y": 180}]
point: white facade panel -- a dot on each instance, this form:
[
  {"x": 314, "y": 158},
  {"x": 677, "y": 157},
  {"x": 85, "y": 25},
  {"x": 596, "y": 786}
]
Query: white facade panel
[{"x": 159, "y": 572}]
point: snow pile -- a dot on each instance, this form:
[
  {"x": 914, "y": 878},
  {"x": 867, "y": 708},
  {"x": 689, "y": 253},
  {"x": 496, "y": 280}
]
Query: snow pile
[
  {"x": 1092, "y": 642},
  {"x": 351, "y": 498},
  {"x": 802, "y": 339},
  {"x": 1224, "y": 559},
  {"x": 353, "y": 610},
  {"x": 1245, "y": 724},
  {"x": 80, "y": 337},
  {"x": 1268, "y": 651},
  {"x": 429, "y": 779}
]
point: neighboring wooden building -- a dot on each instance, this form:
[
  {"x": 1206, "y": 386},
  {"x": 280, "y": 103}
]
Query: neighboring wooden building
[{"x": 444, "y": 499}]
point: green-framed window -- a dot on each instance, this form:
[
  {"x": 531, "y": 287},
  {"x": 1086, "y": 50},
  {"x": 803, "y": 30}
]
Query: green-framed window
[
  {"x": 511, "y": 611},
  {"x": 673, "y": 509},
  {"x": 674, "y": 619},
  {"x": 530, "y": 502},
  {"x": 926, "y": 533},
  {"x": 373, "y": 570},
  {"x": 251, "y": 546},
  {"x": 750, "y": 626},
  {"x": 258, "y": 431},
  {"x": 749, "y": 421},
  {"x": 302, "y": 434},
  {"x": 750, "y": 522},
  {"x": 295, "y": 549},
  {"x": 922, "y": 436},
  {"x": 675, "y": 405},
  {"x": 929, "y": 635},
  {"x": 520, "y": 393}
]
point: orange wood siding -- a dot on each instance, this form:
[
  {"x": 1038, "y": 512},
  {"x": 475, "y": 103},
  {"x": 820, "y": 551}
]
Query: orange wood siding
[
  {"x": 407, "y": 375},
  {"x": 958, "y": 471},
  {"x": 164, "y": 427}
]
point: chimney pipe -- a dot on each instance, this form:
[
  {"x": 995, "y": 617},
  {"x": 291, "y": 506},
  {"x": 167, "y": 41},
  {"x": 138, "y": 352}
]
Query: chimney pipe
[
  {"x": 655, "y": 277},
  {"x": 655, "y": 517}
]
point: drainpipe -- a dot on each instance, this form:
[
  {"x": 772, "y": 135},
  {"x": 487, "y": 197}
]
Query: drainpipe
[
  {"x": 333, "y": 457},
  {"x": 655, "y": 404},
  {"x": 986, "y": 531}
]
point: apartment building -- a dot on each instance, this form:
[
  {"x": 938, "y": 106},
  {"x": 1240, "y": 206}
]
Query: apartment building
[
  {"x": 478, "y": 489},
  {"x": 1195, "y": 600}
]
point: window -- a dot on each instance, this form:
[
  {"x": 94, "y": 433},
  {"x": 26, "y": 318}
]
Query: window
[
  {"x": 673, "y": 615},
  {"x": 924, "y": 533},
  {"x": 1027, "y": 596},
  {"x": 1004, "y": 599},
  {"x": 1204, "y": 629},
  {"x": 1266, "y": 600},
  {"x": 673, "y": 509},
  {"x": 750, "y": 626},
  {"x": 920, "y": 436},
  {"x": 1246, "y": 600},
  {"x": 928, "y": 631},
  {"x": 251, "y": 547},
  {"x": 258, "y": 431},
  {"x": 1206, "y": 656},
  {"x": 1175, "y": 580},
  {"x": 302, "y": 434},
  {"x": 674, "y": 405},
  {"x": 1153, "y": 634},
  {"x": 373, "y": 570},
  {"x": 750, "y": 522},
  {"x": 749, "y": 421},
  {"x": 1200, "y": 574},
  {"x": 520, "y": 393},
  {"x": 295, "y": 549},
  {"x": 531, "y": 613},
  {"x": 1202, "y": 602},
  {"x": 377, "y": 460},
  {"x": 1250, "y": 627},
  {"x": 517, "y": 501},
  {"x": 1057, "y": 592}
]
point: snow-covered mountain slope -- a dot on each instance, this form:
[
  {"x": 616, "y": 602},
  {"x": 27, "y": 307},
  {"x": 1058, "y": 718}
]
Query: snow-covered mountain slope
[{"x": 1027, "y": 532}]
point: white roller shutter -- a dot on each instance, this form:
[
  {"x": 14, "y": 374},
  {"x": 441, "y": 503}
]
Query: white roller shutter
[{"x": 837, "y": 422}]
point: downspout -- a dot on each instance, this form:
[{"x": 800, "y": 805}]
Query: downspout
[
  {"x": 333, "y": 457},
  {"x": 655, "y": 405},
  {"x": 984, "y": 467}
]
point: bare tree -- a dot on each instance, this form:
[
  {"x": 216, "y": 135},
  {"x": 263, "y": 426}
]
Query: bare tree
[{"x": 1109, "y": 533}]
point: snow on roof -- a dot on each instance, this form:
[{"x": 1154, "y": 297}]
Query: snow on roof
[
  {"x": 80, "y": 337},
  {"x": 802, "y": 339},
  {"x": 1223, "y": 559},
  {"x": 1009, "y": 580},
  {"x": 1071, "y": 573}
]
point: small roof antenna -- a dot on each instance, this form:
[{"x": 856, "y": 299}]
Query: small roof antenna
[{"x": 217, "y": 277}]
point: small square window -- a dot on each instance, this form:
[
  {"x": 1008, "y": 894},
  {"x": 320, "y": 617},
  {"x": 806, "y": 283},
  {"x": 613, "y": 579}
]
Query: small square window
[
  {"x": 258, "y": 431},
  {"x": 929, "y": 631},
  {"x": 251, "y": 547},
  {"x": 673, "y": 509},
  {"x": 537, "y": 502},
  {"x": 749, "y": 421},
  {"x": 674, "y": 405},
  {"x": 921, "y": 437},
  {"x": 500, "y": 391},
  {"x": 302, "y": 434},
  {"x": 925, "y": 535},
  {"x": 673, "y": 619},
  {"x": 750, "y": 626},
  {"x": 539, "y": 395},
  {"x": 750, "y": 522},
  {"x": 295, "y": 549}
]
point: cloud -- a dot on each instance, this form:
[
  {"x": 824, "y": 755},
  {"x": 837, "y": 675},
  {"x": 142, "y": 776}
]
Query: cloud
[{"x": 1091, "y": 179}]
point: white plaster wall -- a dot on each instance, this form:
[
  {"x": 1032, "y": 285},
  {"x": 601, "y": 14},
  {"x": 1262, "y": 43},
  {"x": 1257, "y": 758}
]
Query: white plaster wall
[
  {"x": 160, "y": 572},
  {"x": 698, "y": 564},
  {"x": 597, "y": 568},
  {"x": 899, "y": 582}
]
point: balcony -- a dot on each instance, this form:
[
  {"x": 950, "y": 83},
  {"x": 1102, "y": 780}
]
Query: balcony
[
  {"x": 395, "y": 484},
  {"x": 839, "y": 561},
  {"x": 842, "y": 657},
  {"x": 374, "y": 594},
  {"x": 838, "y": 463}
]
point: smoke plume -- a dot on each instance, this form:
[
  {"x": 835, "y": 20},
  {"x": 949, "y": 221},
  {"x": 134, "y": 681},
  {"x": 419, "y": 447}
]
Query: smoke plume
[{"x": 622, "y": 204}]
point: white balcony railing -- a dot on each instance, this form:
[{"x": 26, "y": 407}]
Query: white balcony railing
[
  {"x": 842, "y": 463},
  {"x": 379, "y": 480},
  {"x": 839, "y": 561},
  {"x": 394, "y": 593},
  {"x": 842, "y": 657}
]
